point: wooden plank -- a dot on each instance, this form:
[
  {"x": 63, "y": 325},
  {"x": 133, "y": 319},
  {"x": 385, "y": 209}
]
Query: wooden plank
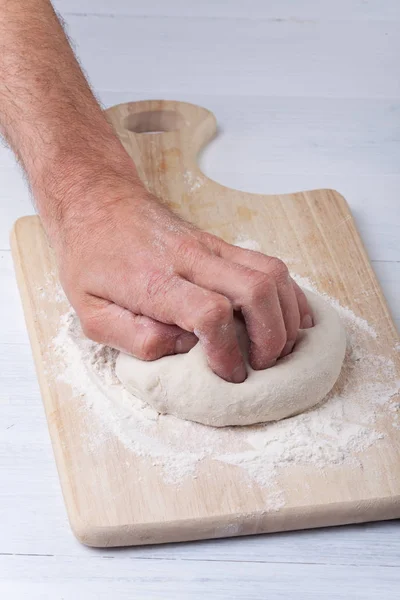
[
  {"x": 388, "y": 274},
  {"x": 99, "y": 579},
  {"x": 33, "y": 516},
  {"x": 233, "y": 9},
  {"x": 327, "y": 246},
  {"x": 240, "y": 56}
]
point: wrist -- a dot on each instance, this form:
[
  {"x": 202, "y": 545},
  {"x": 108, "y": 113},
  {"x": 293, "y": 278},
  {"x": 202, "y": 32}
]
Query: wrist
[{"x": 78, "y": 190}]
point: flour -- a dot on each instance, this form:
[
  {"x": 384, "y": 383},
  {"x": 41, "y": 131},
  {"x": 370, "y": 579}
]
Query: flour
[
  {"x": 246, "y": 243},
  {"x": 192, "y": 181},
  {"x": 344, "y": 311},
  {"x": 335, "y": 432}
]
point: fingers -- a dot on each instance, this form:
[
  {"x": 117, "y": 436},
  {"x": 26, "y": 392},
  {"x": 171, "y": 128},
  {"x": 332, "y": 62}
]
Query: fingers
[
  {"x": 306, "y": 319},
  {"x": 256, "y": 295},
  {"x": 199, "y": 302},
  {"x": 295, "y": 308},
  {"x": 265, "y": 324},
  {"x": 171, "y": 299},
  {"x": 290, "y": 312},
  {"x": 217, "y": 333},
  {"x": 106, "y": 323}
]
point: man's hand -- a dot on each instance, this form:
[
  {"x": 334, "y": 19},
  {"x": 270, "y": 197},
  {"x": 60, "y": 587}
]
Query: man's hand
[
  {"x": 146, "y": 282},
  {"x": 139, "y": 278}
]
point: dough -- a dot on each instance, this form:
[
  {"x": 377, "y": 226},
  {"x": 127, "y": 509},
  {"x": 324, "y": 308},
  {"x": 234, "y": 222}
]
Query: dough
[{"x": 183, "y": 385}]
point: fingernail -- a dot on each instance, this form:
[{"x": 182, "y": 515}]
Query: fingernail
[
  {"x": 239, "y": 374},
  {"x": 307, "y": 322},
  {"x": 184, "y": 343},
  {"x": 287, "y": 348}
]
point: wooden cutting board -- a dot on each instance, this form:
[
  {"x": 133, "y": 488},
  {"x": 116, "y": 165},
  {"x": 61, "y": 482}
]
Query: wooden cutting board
[{"x": 114, "y": 497}]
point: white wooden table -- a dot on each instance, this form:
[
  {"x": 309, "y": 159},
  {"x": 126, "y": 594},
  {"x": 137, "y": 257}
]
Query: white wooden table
[{"x": 307, "y": 94}]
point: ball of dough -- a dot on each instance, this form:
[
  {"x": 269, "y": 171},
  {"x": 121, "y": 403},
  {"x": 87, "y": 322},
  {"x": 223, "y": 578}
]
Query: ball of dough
[{"x": 183, "y": 385}]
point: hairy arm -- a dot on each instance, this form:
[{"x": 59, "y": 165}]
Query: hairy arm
[
  {"x": 148, "y": 300},
  {"x": 48, "y": 113}
]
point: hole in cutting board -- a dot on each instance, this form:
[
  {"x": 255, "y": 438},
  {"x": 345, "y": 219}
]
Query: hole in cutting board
[{"x": 151, "y": 122}]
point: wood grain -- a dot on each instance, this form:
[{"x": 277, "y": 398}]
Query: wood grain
[
  {"x": 301, "y": 57},
  {"x": 170, "y": 579},
  {"x": 304, "y": 11},
  {"x": 314, "y": 232}
]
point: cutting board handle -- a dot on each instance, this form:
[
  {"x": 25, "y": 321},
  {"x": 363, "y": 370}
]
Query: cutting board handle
[{"x": 166, "y": 119}]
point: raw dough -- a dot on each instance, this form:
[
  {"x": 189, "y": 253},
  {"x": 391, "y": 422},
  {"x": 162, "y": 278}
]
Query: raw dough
[{"x": 183, "y": 385}]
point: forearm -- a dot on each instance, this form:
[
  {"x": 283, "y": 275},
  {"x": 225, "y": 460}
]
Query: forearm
[{"x": 48, "y": 113}]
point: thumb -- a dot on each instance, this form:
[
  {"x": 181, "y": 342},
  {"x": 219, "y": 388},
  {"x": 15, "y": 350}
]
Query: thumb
[{"x": 145, "y": 338}]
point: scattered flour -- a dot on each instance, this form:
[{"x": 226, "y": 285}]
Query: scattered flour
[
  {"x": 333, "y": 433},
  {"x": 343, "y": 310},
  {"x": 246, "y": 243},
  {"x": 193, "y": 182}
]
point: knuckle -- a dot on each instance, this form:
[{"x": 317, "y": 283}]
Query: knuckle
[
  {"x": 188, "y": 248},
  {"x": 190, "y": 253},
  {"x": 149, "y": 348},
  {"x": 278, "y": 268},
  {"x": 216, "y": 311},
  {"x": 211, "y": 242},
  {"x": 157, "y": 284},
  {"x": 259, "y": 288},
  {"x": 92, "y": 327}
]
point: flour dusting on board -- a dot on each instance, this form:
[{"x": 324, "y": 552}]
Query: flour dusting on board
[
  {"x": 193, "y": 181},
  {"x": 335, "y": 432},
  {"x": 246, "y": 243}
]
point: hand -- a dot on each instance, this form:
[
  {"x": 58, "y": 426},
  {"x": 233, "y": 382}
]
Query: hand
[{"x": 143, "y": 281}]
